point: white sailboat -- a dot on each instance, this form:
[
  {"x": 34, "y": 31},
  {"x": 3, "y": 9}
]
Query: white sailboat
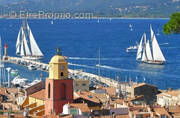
[
  {"x": 147, "y": 54},
  {"x": 131, "y": 27},
  {"x": 26, "y": 45}
]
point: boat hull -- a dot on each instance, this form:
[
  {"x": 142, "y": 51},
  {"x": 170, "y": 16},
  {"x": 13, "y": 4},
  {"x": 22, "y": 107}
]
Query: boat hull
[{"x": 154, "y": 62}]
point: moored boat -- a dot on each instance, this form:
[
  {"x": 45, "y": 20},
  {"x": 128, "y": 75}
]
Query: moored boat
[{"x": 18, "y": 81}]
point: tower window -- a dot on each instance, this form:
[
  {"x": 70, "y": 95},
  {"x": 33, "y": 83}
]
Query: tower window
[
  {"x": 49, "y": 90},
  {"x": 62, "y": 74},
  {"x": 63, "y": 91}
]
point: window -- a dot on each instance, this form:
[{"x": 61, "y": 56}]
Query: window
[
  {"x": 63, "y": 91},
  {"x": 49, "y": 90},
  {"x": 62, "y": 74},
  {"x": 84, "y": 84}
]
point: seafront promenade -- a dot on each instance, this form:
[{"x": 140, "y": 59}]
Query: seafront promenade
[{"x": 45, "y": 67}]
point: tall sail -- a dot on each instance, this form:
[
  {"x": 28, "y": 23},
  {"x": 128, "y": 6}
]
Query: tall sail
[
  {"x": 148, "y": 51},
  {"x": 34, "y": 47},
  {"x": 156, "y": 51},
  {"x": 22, "y": 48},
  {"x": 27, "y": 51},
  {"x": 144, "y": 57},
  {"x": 140, "y": 48},
  {"x": 18, "y": 43}
]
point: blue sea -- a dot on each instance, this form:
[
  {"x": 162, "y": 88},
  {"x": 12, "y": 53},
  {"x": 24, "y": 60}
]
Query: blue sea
[{"x": 80, "y": 40}]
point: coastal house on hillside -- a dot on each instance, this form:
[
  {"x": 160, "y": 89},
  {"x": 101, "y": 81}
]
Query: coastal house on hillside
[{"x": 169, "y": 98}]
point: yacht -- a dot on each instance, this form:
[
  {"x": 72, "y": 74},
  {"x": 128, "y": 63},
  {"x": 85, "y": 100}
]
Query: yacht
[{"x": 19, "y": 81}]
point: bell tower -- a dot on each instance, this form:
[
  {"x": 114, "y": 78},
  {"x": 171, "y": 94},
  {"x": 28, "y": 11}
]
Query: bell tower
[{"x": 59, "y": 88}]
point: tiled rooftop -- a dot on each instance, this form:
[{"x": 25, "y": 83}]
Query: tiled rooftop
[{"x": 39, "y": 95}]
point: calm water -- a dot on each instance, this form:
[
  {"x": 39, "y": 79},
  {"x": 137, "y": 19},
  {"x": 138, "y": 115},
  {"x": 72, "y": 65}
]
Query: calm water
[{"x": 81, "y": 39}]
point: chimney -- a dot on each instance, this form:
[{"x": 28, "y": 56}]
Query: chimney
[{"x": 170, "y": 89}]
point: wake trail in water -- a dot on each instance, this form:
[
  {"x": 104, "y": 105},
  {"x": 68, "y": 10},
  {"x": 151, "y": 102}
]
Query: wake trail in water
[
  {"x": 81, "y": 65},
  {"x": 123, "y": 70},
  {"x": 84, "y": 58},
  {"x": 164, "y": 44}
]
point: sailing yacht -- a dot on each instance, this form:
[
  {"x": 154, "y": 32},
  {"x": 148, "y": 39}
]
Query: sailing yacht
[
  {"x": 147, "y": 53},
  {"x": 26, "y": 45}
]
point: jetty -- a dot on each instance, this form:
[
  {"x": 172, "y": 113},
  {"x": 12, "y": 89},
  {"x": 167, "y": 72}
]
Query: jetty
[{"x": 73, "y": 73}]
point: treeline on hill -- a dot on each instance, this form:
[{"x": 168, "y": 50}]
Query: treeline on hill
[{"x": 103, "y": 8}]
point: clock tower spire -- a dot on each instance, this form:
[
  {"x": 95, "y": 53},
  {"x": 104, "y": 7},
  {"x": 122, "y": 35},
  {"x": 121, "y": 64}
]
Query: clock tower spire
[{"x": 59, "y": 88}]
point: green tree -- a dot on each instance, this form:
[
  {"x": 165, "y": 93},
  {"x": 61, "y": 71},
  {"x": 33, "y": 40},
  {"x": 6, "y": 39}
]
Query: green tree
[{"x": 173, "y": 25}]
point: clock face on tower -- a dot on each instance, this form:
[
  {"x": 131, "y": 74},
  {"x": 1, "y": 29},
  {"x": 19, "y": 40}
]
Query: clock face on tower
[{"x": 62, "y": 67}]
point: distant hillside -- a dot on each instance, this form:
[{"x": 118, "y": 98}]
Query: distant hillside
[{"x": 116, "y": 8}]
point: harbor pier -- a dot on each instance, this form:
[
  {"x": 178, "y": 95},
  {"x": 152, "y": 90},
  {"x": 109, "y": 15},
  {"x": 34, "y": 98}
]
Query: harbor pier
[{"x": 73, "y": 73}]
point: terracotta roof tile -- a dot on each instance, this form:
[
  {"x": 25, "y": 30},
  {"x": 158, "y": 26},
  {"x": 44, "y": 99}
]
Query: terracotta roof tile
[
  {"x": 5, "y": 91},
  {"x": 39, "y": 95},
  {"x": 173, "y": 93},
  {"x": 119, "y": 101},
  {"x": 161, "y": 111},
  {"x": 10, "y": 105},
  {"x": 82, "y": 106},
  {"x": 110, "y": 90},
  {"x": 86, "y": 95},
  {"x": 174, "y": 109},
  {"x": 102, "y": 97}
]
